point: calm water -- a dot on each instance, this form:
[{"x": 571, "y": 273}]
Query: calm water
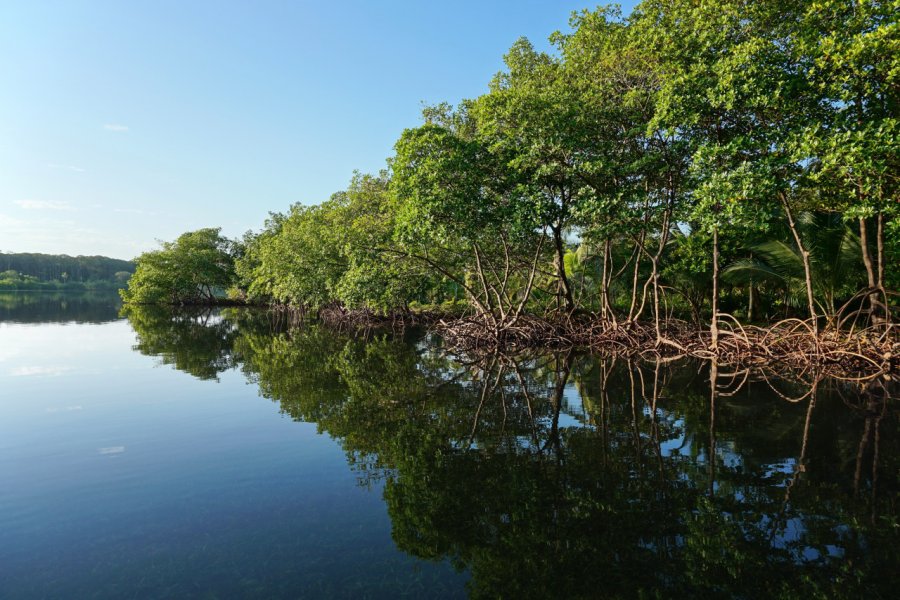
[{"x": 219, "y": 455}]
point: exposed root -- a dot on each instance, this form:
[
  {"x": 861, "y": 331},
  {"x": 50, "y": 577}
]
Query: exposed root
[
  {"x": 791, "y": 343},
  {"x": 854, "y": 354}
]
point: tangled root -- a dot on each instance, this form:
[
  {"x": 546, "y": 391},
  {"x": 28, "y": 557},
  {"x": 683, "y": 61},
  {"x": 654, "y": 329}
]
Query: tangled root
[{"x": 791, "y": 343}]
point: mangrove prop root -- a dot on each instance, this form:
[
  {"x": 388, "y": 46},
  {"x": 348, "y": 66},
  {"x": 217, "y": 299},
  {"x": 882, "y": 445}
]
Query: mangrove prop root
[
  {"x": 791, "y": 343},
  {"x": 859, "y": 354}
]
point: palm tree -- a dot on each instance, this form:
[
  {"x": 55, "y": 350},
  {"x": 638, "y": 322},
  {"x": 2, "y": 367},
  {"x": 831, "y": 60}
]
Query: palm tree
[{"x": 835, "y": 256}]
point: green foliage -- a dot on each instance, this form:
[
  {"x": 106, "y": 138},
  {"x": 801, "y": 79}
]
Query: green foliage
[
  {"x": 195, "y": 268},
  {"x": 338, "y": 251},
  {"x": 28, "y": 271},
  {"x": 852, "y": 53},
  {"x": 606, "y": 174},
  {"x": 835, "y": 257},
  {"x": 300, "y": 264},
  {"x": 439, "y": 180}
]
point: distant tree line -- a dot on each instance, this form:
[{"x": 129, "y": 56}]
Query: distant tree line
[
  {"x": 689, "y": 160},
  {"x": 50, "y": 271}
]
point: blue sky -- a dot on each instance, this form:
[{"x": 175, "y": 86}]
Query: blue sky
[{"x": 122, "y": 123}]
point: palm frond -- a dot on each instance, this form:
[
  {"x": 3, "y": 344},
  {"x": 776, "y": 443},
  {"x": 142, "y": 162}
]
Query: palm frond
[
  {"x": 781, "y": 257},
  {"x": 751, "y": 270}
]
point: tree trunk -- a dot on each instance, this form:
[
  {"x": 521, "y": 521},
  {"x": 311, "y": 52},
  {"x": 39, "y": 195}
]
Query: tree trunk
[
  {"x": 566, "y": 288},
  {"x": 609, "y": 307},
  {"x": 634, "y": 280},
  {"x": 663, "y": 239},
  {"x": 603, "y": 305},
  {"x": 655, "y": 276},
  {"x": 714, "y": 322},
  {"x": 528, "y": 286},
  {"x": 750, "y": 302},
  {"x": 879, "y": 240},
  {"x": 807, "y": 270},
  {"x": 870, "y": 268},
  {"x": 479, "y": 270}
]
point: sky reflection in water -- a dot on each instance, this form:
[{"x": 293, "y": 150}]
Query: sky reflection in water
[{"x": 388, "y": 467}]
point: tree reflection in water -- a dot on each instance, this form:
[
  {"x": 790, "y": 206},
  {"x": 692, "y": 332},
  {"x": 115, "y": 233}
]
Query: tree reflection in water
[
  {"x": 61, "y": 307},
  {"x": 571, "y": 475}
]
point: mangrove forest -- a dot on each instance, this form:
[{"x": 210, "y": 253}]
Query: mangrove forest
[{"x": 715, "y": 179}]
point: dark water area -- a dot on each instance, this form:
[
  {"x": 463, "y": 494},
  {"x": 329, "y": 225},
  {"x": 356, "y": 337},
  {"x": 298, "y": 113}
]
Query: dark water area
[{"x": 218, "y": 454}]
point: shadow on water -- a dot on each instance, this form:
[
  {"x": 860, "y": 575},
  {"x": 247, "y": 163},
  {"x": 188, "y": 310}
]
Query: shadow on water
[
  {"x": 571, "y": 475},
  {"x": 59, "y": 307}
]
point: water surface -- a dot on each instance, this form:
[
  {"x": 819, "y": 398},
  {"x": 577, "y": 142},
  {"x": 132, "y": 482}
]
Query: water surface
[{"x": 219, "y": 454}]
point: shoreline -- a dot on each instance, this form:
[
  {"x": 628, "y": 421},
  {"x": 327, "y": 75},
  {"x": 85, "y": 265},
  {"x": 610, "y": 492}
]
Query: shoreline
[{"x": 789, "y": 343}]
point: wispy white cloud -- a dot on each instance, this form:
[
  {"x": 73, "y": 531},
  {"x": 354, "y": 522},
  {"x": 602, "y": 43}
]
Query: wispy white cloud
[
  {"x": 134, "y": 211},
  {"x": 111, "y": 450},
  {"x": 72, "y": 168},
  {"x": 8, "y": 222},
  {"x": 115, "y": 127},
  {"x": 38, "y": 370},
  {"x": 47, "y": 231},
  {"x": 44, "y": 205},
  {"x": 6, "y": 352}
]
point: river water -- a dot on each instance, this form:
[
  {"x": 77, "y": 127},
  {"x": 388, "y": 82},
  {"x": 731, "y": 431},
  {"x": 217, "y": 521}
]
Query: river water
[{"x": 221, "y": 454}]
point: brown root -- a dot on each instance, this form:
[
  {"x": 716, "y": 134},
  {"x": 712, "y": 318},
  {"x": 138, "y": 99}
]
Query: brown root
[{"x": 792, "y": 343}]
